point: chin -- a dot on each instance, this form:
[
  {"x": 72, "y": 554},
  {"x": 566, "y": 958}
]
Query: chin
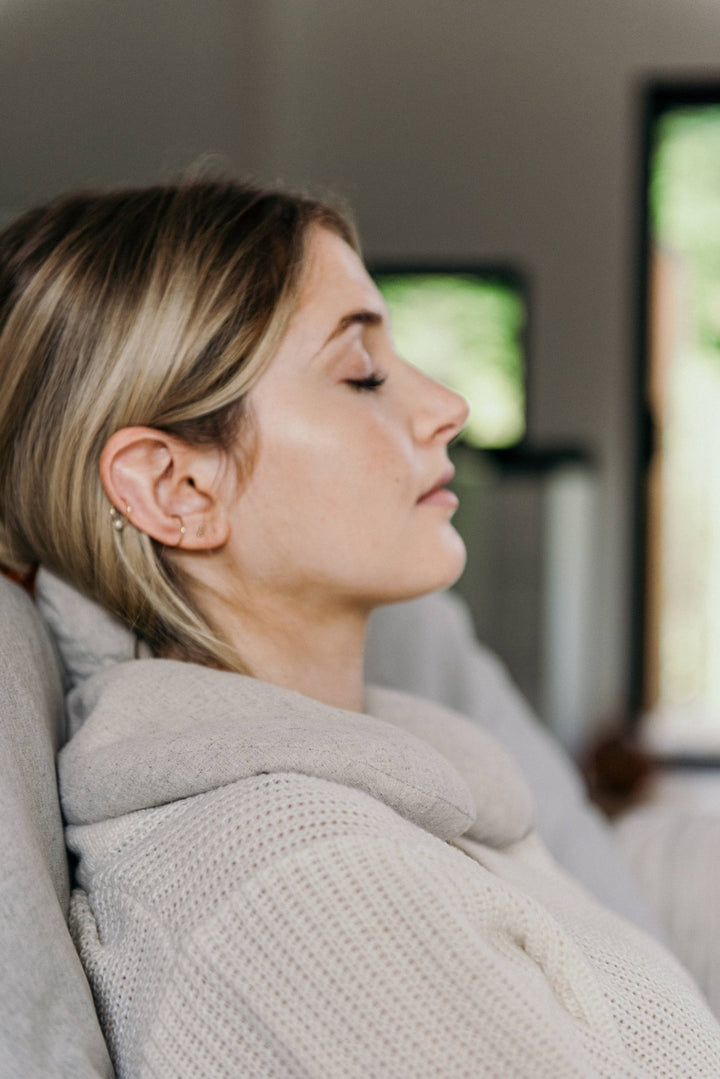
[
  {"x": 437, "y": 570},
  {"x": 455, "y": 557},
  {"x": 448, "y": 579}
]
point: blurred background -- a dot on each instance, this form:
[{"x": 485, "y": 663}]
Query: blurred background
[{"x": 515, "y": 142}]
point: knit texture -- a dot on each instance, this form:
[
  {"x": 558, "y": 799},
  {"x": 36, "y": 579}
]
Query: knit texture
[
  {"x": 285, "y": 926},
  {"x": 278, "y": 924}
]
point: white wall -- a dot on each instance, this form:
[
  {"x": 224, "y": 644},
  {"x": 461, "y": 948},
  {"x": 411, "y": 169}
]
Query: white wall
[{"x": 457, "y": 128}]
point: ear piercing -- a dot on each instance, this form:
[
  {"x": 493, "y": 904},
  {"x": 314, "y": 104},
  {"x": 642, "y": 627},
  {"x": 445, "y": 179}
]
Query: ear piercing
[{"x": 119, "y": 519}]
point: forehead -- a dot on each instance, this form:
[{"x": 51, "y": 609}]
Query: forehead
[{"x": 335, "y": 277}]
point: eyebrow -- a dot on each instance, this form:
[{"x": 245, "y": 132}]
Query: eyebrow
[{"x": 364, "y": 317}]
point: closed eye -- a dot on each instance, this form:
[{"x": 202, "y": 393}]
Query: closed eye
[{"x": 371, "y": 382}]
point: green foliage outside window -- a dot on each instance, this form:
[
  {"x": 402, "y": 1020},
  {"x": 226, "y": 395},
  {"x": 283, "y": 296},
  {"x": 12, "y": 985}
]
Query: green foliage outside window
[
  {"x": 685, "y": 234},
  {"x": 685, "y": 209}
]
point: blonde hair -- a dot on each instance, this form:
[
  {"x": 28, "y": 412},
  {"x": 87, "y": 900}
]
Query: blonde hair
[{"x": 156, "y": 307}]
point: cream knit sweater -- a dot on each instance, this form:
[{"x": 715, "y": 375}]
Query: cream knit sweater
[{"x": 274, "y": 889}]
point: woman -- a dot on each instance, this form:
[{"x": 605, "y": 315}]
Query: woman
[{"x": 206, "y": 430}]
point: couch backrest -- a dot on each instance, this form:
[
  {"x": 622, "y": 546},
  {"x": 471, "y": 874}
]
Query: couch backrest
[{"x": 48, "y": 1025}]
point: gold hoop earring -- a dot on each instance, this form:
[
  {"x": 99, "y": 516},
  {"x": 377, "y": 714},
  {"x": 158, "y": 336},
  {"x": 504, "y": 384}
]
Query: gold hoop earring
[{"x": 182, "y": 527}]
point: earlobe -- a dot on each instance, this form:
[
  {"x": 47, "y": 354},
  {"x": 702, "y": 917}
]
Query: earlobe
[{"x": 169, "y": 486}]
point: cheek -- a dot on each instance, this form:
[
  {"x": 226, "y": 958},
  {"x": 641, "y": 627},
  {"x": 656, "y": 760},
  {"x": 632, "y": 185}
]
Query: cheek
[
  {"x": 332, "y": 467},
  {"x": 294, "y": 482},
  {"x": 374, "y": 477},
  {"x": 393, "y": 468},
  {"x": 346, "y": 449}
]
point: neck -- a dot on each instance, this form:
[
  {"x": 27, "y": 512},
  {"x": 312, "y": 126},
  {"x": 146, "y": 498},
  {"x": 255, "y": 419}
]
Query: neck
[
  {"x": 317, "y": 653},
  {"x": 327, "y": 666}
]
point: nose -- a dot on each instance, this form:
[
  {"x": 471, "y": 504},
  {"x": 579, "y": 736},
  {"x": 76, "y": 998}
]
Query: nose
[{"x": 440, "y": 412}]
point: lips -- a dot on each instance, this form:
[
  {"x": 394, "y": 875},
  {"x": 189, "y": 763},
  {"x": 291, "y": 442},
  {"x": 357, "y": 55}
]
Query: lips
[{"x": 438, "y": 494}]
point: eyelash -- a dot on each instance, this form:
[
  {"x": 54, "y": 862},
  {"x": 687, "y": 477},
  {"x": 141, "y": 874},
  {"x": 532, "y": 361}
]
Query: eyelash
[{"x": 372, "y": 382}]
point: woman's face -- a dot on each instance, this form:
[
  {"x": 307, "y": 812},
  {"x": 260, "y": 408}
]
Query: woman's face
[{"x": 345, "y": 505}]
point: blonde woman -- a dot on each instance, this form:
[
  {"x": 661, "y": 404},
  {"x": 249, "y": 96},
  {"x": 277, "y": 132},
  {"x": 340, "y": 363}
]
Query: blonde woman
[{"x": 207, "y": 437}]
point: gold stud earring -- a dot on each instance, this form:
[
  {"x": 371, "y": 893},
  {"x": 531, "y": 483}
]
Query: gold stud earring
[
  {"x": 118, "y": 519},
  {"x": 201, "y": 530}
]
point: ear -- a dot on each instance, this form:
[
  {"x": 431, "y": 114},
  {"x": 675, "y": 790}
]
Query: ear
[{"x": 166, "y": 488}]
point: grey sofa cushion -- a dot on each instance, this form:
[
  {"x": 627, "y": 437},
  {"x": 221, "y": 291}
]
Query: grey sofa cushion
[{"x": 48, "y": 1026}]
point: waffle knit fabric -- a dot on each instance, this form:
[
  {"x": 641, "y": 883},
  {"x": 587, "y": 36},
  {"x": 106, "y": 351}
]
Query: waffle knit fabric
[{"x": 272, "y": 888}]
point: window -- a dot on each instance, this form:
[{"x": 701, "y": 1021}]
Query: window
[{"x": 677, "y": 672}]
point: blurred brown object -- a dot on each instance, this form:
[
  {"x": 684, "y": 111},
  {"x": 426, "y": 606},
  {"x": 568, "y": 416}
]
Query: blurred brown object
[
  {"x": 26, "y": 580},
  {"x": 617, "y": 772}
]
